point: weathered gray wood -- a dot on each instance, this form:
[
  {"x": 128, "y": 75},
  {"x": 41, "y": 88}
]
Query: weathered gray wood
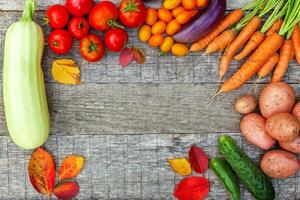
[
  {"x": 43, "y": 4},
  {"x": 125, "y": 166}
]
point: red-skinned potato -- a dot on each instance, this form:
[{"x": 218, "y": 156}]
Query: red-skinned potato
[
  {"x": 296, "y": 111},
  {"x": 245, "y": 104},
  {"x": 253, "y": 129},
  {"x": 283, "y": 127},
  {"x": 292, "y": 146},
  {"x": 279, "y": 164},
  {"x": 276, "y": 98}
]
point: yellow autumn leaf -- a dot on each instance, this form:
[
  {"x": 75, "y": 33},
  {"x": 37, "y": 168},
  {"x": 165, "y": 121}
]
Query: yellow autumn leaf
[
  {"x": 181, "y": 166},
  {"x": 65, "y": 71}
]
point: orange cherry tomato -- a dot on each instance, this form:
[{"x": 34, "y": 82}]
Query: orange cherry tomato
[
  {"x": 145, "y": 33},
  {"x": 167, "y": 44},
  {"x": 156, "y": 40},
  {"x": 172, "y": 27},
  {"x": 151, "y": 16},
  {"x": 177, "y": 11},
  {"x": 183, "y": 17},
  {"x": 189, "y": 4},
  {"x": 170, "y": 4},
  {"x": 202, "y": 3},
  {"x": 158, "y": 27},
  {"x": 164, "y": 15},
  {"x": 179, "y": 49}
]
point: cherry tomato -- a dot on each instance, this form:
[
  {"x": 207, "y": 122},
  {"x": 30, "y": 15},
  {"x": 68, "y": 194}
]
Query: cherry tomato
[
  {"x": 60, "y": 41},
  {"x": 132, "y": 13},
  {"x": 57, "y": 16},
  {"x": 92, "y": 48},
  {"x": 79, "y": 27},
  {"x": 79, "y": 7},
  {"x": 115, "y": 39},
  {"x": 103, "y": 16}
]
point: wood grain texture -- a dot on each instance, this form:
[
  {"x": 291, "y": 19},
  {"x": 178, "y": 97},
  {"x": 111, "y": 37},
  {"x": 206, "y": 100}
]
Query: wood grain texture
[
  {"x": 125, "y": 166},
  {"x": 43, "y": 4}
]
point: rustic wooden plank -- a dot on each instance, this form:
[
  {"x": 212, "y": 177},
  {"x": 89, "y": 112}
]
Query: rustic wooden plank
[
  {"x": 197, "y": 68},
  {"x": 43, "y": 4},
  {"x": 126, "y": 166}
]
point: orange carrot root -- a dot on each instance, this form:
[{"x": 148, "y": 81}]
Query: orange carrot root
[
  {"x": 275, "y": 27},
  {"x": 262, "y": 54},
  {"x": 221, "y": 41},
  {"x": 255, "y": 40},
  {"x": 229, "y": 20},
  {"x": 234, "y": 46},
  {"x": 268, "y": 67},
  {"x": 296, "y": 42},
  {"x": 285, "y": 56}
]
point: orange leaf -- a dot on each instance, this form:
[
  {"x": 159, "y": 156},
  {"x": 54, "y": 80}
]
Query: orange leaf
[
  {"x": 65, "y": 71},
  {"x": 66, "y": 190},
  {"x": 41, "y": 171},
  {"x": 71, "y": 167}
]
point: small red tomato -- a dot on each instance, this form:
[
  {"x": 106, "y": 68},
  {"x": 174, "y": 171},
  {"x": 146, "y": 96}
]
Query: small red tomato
[
  {"x": 132, "y": 13},
  {"x": 60, "y": 41},
  {"x": 92, "y": 48},
  {"x": 57, "y": 16},
  {"x": 103, "y": 15},
  {"x": 78, "y": 27},
  {"x": 115, "y": 39},
  {"x": 79, "y": 7}
]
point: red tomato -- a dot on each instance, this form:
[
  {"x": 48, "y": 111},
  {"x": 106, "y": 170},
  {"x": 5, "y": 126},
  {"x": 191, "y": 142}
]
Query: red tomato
[
  {"x": 103, "y": 15},
  {"x": 79, "y": 7},
  {"x": 92, "y": 48},
  {"x": 57, "y": 16},
  {"x": 132, "y": 13},
  {"x": 60, "y": 41},
  {"x": 115, "y": 39},
  {"x": 79, "y": 27}
]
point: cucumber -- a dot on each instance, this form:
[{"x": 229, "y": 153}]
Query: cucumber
[
  {"x": 226, "y": 176},
  {"x": 253, "y": 178}
]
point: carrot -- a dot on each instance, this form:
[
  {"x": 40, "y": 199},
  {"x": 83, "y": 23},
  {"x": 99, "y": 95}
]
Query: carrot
[
  {"x": 296, "y": 42},
  {"x": 267, "y": 68},
  {"x": 234, "y": 46},
  {"x": 252, "y": 44},
  {"x": 229, "y": 20},
  {"x": 275, "y": 27},
  {"x": 285, "y": 56},
  {"x": 262, "y": 54},
  {"x": 222, "y": 41}
]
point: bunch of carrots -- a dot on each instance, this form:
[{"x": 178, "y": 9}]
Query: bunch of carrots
[{"x": 270, "y": 48}]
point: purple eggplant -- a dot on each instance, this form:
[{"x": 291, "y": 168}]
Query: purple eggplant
[{"x": 202, "y": 24}]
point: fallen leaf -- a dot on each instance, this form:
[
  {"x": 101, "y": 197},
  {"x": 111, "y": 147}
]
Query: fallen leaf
[
  {"x": 66, "y": 190},
  {"x": 181, "y": 166},
  {"x": 42, "y": 171},
  {"x": 126, "y": 57},
  {"x": 198, "y": 159},
  {"x": 139, "y": 55},
  {"x": 192, "y": 188},
  {"x": 71, "y": 167},
  {"x": 65, "y": 71}
]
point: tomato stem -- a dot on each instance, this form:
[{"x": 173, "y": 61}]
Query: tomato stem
[
  {"x": 113, "y": 24},
  {"x": 131, "y": 6},
  {"x": 92, "y": 47}
]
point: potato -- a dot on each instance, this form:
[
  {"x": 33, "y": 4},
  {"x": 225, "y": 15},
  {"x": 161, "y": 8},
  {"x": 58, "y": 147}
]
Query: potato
[
  {"x": 279, "y": 164},
  {"x": 276, "y": 98},
  {"x": 245, "y": 104},
  {"x": 292, "y": 146},
  {"x": 296, "y": 111},
  {"x": 283, "y": 127},
  {"x": 253, "y": 129}
]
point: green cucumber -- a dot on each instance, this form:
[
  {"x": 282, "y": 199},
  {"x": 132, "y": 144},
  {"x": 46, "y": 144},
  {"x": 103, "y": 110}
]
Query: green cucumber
[
  {"x": 253, "y": 178},
  {"x": 226, "y": 176}
]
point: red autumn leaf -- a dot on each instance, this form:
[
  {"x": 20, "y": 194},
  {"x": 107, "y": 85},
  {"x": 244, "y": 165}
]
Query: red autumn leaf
[
  {"x": 126, "y": 57},
  {"x": 41, "y": 171},
  {"x": 71, "y": 167},
  {"x": 139, "y": 55},
  {"x": 198, "y": 159},
  {"x": 66, "y": 190},
  {"x": 192, "y": 188}
]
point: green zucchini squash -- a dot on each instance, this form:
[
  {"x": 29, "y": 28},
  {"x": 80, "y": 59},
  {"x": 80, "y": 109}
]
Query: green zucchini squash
[
  {"x": 25, "y": 102},
  {"x": 252, "y": 177}
]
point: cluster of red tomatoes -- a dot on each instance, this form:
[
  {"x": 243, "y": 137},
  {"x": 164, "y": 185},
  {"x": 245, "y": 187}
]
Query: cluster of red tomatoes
[{"x": 76, "y": 17}]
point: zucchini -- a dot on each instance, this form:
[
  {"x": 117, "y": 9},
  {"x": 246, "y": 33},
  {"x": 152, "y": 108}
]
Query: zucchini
[
  {"x": 227, "y": 177},
  {"x": 253, "y": 178},
  {"x": 25, "y": 103}
]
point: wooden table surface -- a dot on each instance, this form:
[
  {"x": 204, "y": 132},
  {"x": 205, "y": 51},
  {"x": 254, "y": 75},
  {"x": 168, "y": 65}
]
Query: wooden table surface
[{"x": 127, "y": 122}]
